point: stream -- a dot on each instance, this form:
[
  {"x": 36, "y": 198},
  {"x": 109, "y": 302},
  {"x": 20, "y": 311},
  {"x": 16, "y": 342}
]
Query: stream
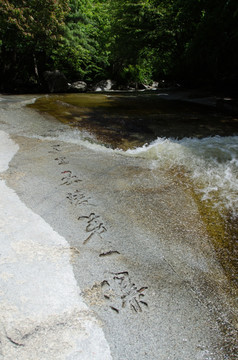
[{"x": 194, "y": 143}]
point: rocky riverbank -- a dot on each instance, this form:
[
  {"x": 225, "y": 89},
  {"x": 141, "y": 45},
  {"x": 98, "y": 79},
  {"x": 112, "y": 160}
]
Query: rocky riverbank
[{"x": 102, "y": 251}]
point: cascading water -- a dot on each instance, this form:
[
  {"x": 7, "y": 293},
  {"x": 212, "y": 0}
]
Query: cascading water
[
  {"x": 194, "y": 143},
  {"x": 211, "y": 163},
  {"x": 209, "y": 167}
]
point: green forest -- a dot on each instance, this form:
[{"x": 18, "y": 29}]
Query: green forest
[{"x": 194, "y": 42}]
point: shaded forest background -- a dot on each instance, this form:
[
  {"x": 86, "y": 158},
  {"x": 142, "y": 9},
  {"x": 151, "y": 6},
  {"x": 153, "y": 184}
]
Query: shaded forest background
[{"x": 194, "y": 42}]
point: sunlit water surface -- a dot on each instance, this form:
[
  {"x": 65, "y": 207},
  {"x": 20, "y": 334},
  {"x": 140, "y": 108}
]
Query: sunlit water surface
[{"x": 194, "y": 143}]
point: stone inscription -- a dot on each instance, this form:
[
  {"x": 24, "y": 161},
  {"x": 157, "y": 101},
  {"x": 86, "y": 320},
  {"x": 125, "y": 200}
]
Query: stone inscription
[
  {"x": 69, "y": 178},
  {"x": 122, "y": 293},
  {"x": 118, "y": 290},
  {"x": 77, "y": 197},
  {"x": 61, "y": 160},
  {"x": 55, "y": 149},
  {"x": 94, "y": 225}
]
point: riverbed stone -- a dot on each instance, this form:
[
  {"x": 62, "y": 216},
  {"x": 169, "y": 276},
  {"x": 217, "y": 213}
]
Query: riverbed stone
[{"x": 139, "y": 252}]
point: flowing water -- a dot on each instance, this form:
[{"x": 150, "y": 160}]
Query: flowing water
[{"x": 194, "y": 143}]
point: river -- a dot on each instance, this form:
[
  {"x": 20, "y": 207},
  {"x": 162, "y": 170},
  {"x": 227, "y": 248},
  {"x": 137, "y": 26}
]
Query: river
[{"x": 196, "y": 143}]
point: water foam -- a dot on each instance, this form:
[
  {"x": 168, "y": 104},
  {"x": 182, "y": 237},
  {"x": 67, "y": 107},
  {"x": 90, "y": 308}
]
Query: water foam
[
  {"x": 212, "y": 164},
  {"x": 76, "y": 137}
]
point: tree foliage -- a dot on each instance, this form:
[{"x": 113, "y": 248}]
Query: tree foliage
[
  {"x": 213, "y": 51},
  {"x": 140, "y": 40},
  {"x": 196, "y": 40},
  {"x": 83, "y": 52},
  {"x": 36, "y": 19},
  {"x": 28, "y": 32}
]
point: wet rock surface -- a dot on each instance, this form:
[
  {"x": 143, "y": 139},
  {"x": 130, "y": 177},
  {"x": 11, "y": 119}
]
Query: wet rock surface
[{"x": 139, "y": 249}]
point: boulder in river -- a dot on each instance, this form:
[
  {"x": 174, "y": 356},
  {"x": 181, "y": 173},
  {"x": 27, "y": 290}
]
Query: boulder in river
[
  {"x": 56, "y": 81},
  {"x": 104, "y": 85},
  {"x": 78, "y": 86}
]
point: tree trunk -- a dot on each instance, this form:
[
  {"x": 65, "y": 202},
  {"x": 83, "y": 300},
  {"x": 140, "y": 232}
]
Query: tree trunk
[{"x": 36, "y": 71}]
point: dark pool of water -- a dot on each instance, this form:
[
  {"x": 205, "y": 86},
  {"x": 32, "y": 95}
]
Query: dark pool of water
[{"x": 122, "y": 120}]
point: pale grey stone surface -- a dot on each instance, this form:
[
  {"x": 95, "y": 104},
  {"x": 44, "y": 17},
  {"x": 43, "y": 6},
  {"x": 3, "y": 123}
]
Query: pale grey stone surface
[{"x": 139, "y": 250}]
